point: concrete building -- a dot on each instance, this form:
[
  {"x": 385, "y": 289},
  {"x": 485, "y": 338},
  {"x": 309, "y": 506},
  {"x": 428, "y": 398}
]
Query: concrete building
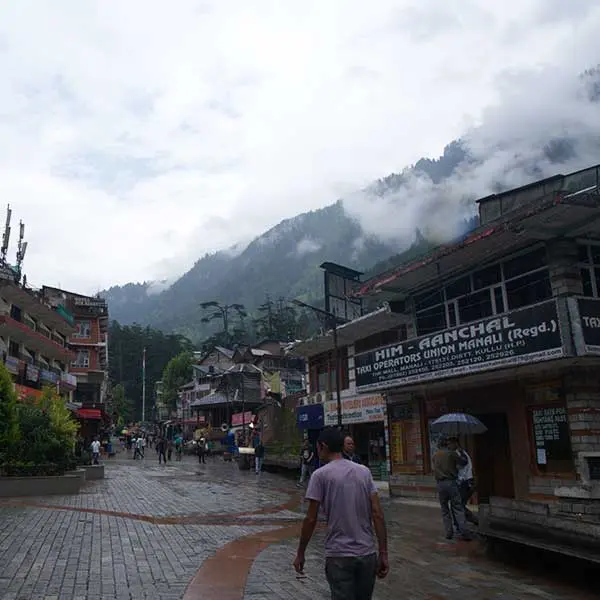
[
  {"x": 505, "y": 325},
  {"x": 33, "y": 340},
  {"x": 89, "y": 345}
]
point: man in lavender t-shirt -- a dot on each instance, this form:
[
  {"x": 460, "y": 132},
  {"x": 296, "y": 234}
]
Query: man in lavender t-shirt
[{"x": 348, "y": 496}]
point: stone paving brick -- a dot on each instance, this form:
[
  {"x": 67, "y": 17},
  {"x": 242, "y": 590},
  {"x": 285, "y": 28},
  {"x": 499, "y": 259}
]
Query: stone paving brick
[
  {"x": 423, "y": 567},
  {"x": 65, "y": 553}
]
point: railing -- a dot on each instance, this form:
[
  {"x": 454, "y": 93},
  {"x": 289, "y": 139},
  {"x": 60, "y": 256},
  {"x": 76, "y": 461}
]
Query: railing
[{"x": 65, "y": 314}]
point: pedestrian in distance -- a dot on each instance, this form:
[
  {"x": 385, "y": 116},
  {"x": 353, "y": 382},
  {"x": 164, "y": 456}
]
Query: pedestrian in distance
[
  {"x": 169, "y": 450},
  {"x": 95, "y": 451},
  {"x": 161, "y": 448},
  {"x": 349, "y": 452},
  {"x": 307, "y": 457},
  {"x": 347, "y": 494},
  {"x": 259, "y": 456},
  {"x": 201, "y": 449},
  {"x": 446, "y": 463}
]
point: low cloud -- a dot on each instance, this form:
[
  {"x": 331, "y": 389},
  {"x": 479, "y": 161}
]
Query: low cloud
[
  {"x": 307, "y": 246},
  {"x": 544, "y": 121}
]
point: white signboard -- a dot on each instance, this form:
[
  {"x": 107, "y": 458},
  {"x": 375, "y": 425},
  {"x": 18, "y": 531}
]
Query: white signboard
[{"x": 359, "y": 409}]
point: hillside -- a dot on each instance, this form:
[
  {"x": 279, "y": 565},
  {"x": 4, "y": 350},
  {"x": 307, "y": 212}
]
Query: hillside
[{"x": 394, "y": 219}]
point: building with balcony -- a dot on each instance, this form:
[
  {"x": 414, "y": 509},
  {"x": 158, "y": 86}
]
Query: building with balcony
[
  {"x": 88, "y": 343},
  {"x": 505, "y": 325},
  {"x": 33, "y": 341}
]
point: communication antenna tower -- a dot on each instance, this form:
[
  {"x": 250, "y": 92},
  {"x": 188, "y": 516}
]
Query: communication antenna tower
[
  {"x": 21, "y": 248},
  {"x": 6, "y": 235}
]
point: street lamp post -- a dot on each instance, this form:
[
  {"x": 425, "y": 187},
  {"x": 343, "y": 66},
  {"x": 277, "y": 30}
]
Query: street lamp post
[{"x": 332, "y": 320}]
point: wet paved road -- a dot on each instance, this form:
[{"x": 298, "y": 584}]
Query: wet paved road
[{"x": 188, "y": 532}]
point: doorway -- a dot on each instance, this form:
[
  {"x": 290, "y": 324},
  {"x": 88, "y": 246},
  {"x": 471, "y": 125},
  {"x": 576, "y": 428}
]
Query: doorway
[{"x": 493, "y": 464}]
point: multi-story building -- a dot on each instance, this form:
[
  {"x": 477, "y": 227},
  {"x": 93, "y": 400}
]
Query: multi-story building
[
  {"x": 503, "y": 324},
  {"x": 88, "y": 343},
  {"x": 33, "y": 340}
]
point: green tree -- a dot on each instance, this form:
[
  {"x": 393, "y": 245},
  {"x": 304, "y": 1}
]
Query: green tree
[
  {"x": 125, "y": 359},
  {"x": 177, "y": 373},
  {"x": 9, "y": 418},
  {"x": 62, "y": 424},
  {"x": 122, "y": 406},
  {"x": 276, "y": 320}
]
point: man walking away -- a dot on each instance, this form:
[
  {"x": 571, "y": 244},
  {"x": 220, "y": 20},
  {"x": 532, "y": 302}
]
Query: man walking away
[
  {"x": 466, "y": 484},
  {"x": 347, "y": 493},
  {"x": 306, "y": 462},
  {"x": 348, "y": 452},
  {"x": 161, "y": 448},
  {"x": 96, "y": 451},
  {"x": 446, "y": 463},
  {"x": 259, "y": 456}
]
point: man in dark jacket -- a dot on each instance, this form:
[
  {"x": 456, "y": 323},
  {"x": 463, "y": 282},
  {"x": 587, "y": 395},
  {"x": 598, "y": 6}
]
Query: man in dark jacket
[
  {"x": 446, "y": 463},
  {"x": 348, "y": 452}
]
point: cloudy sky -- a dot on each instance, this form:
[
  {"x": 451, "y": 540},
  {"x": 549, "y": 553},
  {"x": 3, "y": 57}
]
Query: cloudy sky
[{"x": 138, "y": 135}]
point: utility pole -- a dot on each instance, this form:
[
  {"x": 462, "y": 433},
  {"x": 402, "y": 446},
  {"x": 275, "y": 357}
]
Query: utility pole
[
  {"x": 144, "y": 385},
  {"x": 332, "y": 321}
]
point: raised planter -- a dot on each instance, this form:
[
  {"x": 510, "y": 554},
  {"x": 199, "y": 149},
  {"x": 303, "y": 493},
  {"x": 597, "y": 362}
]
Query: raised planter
[
  {"x": 54, "y": 485},
  {"x": 93, "y": 472}
]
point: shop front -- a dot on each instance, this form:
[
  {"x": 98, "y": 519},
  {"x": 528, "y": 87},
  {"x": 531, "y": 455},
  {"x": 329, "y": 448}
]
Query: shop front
[
  {"x": 363, "y": 417},
  {"x": 506, "y": 371}
]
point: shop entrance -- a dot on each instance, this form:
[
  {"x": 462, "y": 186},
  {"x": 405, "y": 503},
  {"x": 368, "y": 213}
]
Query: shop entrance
[
  {"x": 493, "y": 466},
  {"x": 369, "y": 440}
]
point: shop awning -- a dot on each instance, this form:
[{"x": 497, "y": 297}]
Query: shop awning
[
  {"x": 310, "y": 416},
  {"x": 92, "y": 414}
]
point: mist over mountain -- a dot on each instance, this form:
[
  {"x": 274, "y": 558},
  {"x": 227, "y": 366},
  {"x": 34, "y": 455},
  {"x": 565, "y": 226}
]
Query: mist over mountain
[{"x": 546, "y": 123}]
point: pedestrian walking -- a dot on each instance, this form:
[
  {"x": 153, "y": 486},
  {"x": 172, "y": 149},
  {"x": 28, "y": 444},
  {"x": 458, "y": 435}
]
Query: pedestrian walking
[
  {"x": 178, "y": 448},
  {"x": 201, "y": 447},
  {"x": 161, "y": 448},
  {"x": 347, "y": 494},
  {"x": 259, "y": 457},
  {"x": 349, "y": 453},
  {"x": 307, "y": 457},
  {"x": 466, "y": 484},
  {"x": 169, "y": 450},
  {"x": 95, "y": 451},
  {"x": 446, "y": 463}
]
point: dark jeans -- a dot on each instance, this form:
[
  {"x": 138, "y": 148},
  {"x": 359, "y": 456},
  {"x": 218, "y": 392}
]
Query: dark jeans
[
  {"x": 351, "y": 577},
  {"x": 453, "y": 511},
  {"x": 202, "y": 457},
  {"x": 161, "y": 456}
]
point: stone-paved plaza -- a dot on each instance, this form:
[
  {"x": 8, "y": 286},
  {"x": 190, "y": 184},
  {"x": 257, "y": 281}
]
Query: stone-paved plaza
[{"x": 189, "y": 531}]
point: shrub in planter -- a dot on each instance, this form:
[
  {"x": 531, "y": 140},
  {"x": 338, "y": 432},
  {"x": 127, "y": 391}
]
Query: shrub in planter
[{"x": 9, "y": 420}]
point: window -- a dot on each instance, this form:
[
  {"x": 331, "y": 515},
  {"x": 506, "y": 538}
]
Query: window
[
  {"x": 322, "y": 372},
  {"x": 529, "y": 289},
  {"x": 377, "y": 340},
  {"x": 431, "y": 320},
  {"x": 589, "y": 259},
  {"x": 475, "y": 306},
  {"x": 521, "y": 281},
  {"x": 84, "y": 329},
  {"x": 83, "y": 359}
]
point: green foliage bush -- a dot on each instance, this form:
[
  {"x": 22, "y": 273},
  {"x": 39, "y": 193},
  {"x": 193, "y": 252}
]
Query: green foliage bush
[{"x": 35, "y": 439}]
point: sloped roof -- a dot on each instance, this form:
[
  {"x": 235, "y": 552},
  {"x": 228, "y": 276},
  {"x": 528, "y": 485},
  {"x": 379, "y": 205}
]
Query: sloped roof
[{"x": 210, "y": 400}]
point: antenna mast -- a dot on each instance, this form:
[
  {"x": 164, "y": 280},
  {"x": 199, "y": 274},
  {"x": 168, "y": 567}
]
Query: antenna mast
[
  {"x": 21, "y": 249},
  {"x": 6, "y": 235}
]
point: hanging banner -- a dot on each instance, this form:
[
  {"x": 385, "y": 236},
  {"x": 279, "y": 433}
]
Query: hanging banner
[
  {"x": 520, "y": 337},
  {"x": 589, "y": 315},
  {"x": 360, "y": 409}
]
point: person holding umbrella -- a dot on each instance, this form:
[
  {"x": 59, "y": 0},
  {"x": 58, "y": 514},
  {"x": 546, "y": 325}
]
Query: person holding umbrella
[
  {"x": 446, "y": 463},
  {"x": 451, "y": 464}
]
